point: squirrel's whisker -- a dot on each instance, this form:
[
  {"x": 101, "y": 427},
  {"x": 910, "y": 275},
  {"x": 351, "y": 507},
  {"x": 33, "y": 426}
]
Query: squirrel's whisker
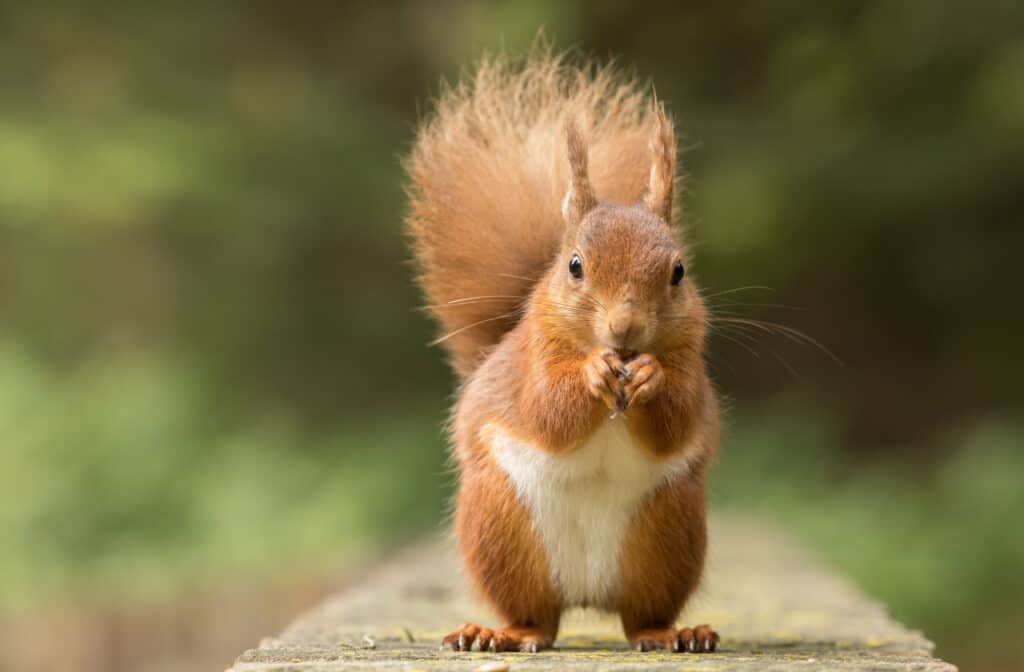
[
  {"x": 736, "y": 289},
  {"x": 442, "y": 339},
  {"x": 737, "y": 341},
  {"x": 792, "y": 334},
  {"x": 744, "y": 338},
  {"x": 469, "y": 300},
  {"x": 715, "y": 306},
  {"x": 518, "y": 277}
]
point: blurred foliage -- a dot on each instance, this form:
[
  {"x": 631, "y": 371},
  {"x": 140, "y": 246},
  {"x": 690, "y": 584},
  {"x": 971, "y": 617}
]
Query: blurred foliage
[
  {"x": 119, "y": 480},
  {"x": 210, "y": 357},
  {"x": 933, "y": 540}
]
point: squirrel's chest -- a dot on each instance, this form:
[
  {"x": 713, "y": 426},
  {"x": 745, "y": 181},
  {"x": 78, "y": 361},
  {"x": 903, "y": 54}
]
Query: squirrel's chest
[{"x": 581, "y": 504}]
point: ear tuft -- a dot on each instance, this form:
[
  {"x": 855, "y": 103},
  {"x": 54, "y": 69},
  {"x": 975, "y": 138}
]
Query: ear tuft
[
  {"x": 579, "y": 199},
  {"x": 663, "y": 166}
]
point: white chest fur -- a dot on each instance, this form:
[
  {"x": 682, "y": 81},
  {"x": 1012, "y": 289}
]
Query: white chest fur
[{"x": 581, "y": 503}]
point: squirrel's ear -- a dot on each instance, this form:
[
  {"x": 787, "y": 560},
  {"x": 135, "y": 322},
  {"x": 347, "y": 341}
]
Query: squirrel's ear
[
  {"x": 663, "y": 166},
  {"x": 579, "y": 199}
]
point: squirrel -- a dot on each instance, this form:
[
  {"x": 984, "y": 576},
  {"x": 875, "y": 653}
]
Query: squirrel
[{"x": 541, "y": 222}]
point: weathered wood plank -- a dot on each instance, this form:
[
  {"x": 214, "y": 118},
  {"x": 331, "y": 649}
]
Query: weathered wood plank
[{"x": 775, "y": 608}]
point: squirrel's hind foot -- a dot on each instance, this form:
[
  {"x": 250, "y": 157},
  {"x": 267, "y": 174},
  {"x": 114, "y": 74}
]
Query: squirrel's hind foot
[
  {"x": 701, "y": 639},
  {"x": 471, "y": 637}
]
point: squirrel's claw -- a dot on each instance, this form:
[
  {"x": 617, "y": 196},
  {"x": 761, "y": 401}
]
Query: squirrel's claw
[
  {"x": 601, "y": 370},
  {"x": 622, "y": 403},
  {"x": 471, "y": 637},
  {"x": 701, "y": 639},
  {"x": 646, "y": 379}
]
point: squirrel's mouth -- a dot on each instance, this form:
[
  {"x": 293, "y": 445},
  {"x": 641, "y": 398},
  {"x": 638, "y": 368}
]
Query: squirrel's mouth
[{"x": 625, "y": 355}]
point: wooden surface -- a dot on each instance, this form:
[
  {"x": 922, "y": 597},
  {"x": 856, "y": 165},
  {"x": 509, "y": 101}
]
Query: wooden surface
[{"x": 775, "y": 608}]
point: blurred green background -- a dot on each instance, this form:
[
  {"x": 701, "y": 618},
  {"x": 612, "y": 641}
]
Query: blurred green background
[{"x": 214, "y": 379}]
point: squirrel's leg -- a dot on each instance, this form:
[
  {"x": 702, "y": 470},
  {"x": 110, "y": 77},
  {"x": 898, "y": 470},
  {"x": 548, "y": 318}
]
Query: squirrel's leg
[
  {"x": 662, "y": 561},
  {"x": 501, "y": 553}
]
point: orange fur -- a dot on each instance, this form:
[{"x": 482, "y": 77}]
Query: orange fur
[
  {"x": 502, "y": 554},
  {"x": 522, "y": 174},
  {"x": 664, "y": 555},
  {"x": 487, "y": 176}
]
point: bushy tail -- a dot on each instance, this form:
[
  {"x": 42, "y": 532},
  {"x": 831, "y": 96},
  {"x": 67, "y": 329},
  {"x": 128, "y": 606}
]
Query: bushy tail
[{"x": 488, "y": 172}]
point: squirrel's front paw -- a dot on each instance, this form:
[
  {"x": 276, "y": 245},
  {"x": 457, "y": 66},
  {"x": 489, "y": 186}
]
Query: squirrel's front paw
[
  {"x": 645, "y": 378},
  {"x": 604, "y": 372}
]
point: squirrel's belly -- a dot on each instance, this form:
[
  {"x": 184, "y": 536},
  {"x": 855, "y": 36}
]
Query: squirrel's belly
[{"x": 581, "y": 503}]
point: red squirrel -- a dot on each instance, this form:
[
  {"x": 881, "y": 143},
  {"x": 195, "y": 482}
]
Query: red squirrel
[{"x": 541, "y": 222}]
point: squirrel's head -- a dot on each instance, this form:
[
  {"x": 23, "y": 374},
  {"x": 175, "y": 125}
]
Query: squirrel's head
[{"x": 620, "y": 280}]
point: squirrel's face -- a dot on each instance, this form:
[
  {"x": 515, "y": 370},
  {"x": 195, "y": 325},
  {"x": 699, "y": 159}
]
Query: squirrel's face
[{"x": 621, "y": 281}]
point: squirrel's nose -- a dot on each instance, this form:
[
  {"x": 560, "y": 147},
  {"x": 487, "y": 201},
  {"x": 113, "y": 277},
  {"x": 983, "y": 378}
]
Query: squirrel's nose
[{"x": 625, "y": 323}]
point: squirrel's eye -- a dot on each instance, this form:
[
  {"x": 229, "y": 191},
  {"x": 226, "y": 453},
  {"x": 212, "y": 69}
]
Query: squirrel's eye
[
  {"x": 677, "y": 273},
  {"x": 576, "y": 267}
]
